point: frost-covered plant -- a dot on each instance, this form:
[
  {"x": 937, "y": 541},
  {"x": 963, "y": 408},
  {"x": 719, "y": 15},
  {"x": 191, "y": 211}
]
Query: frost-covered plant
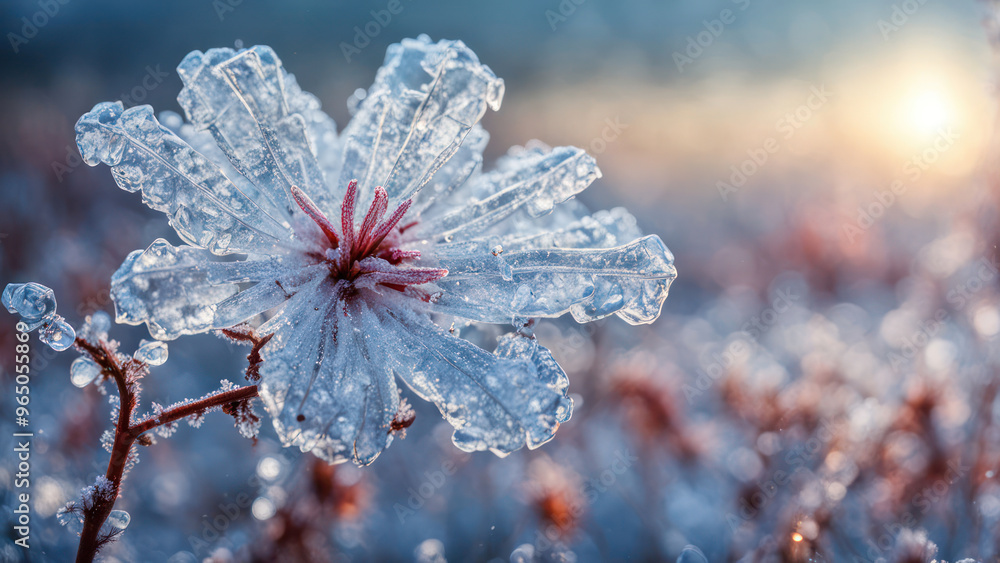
[
  {"x": 93, "y": 516},
  {"x": 361, "y": 240}
]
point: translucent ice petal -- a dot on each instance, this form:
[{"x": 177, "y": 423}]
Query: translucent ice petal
[
  {"x": 533, "y": 182},
  {"x": 325, "y": 380},
  {"x": 259, "y": 117},
  {"x": 182, "y": 290},
  {"x": 631, "y": 281},
  {"x": 205, "y": 208},
  {"x": 57, "y": 333},
  {"x": 496, "y": 402},
  {"x": 425, "y": 100},
  {"x": 33, "y": 301},
  {"x": 152, "y": 352},
  {"x": 514, "y": 345},
  {"x": 83, "y": 371},
  {"x": 434, "y": 198}
]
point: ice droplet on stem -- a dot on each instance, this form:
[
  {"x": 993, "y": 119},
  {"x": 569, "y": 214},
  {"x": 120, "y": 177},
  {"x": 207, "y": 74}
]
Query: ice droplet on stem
[
  {"x": 83, "y": 371},
  {"x": 152, "y": 352}
]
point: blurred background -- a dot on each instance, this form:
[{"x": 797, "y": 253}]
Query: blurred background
[{"x": 822, "y": 384}]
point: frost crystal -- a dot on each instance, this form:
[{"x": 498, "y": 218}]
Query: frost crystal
[
  {"x": 37, "y": 306},
  {"x": 96, "y": 327},
  {"x": 359, "y": 237}
]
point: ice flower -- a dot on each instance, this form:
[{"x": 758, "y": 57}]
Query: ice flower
[{"x": 353, "y": 241}]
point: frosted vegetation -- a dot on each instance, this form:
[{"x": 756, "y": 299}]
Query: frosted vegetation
[{"x": 351, "y": 250}]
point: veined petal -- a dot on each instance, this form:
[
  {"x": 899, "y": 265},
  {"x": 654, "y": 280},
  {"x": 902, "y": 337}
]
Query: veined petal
[
  {"x": 631, "y": 281},
  {"x": 531, "y": 181},
  {"x": 324, "y": 380},
  {"x": 425, "y": 100},
  {"x": 500, "y": 402},
  {"x": 180, "y": 290},
  {"x": 204, "y": 206},
  {"x": 260, "y": 119}
]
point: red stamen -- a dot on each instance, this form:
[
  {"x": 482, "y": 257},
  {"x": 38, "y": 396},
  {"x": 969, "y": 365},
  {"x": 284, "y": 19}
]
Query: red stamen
[
  {"x": 384, "y": 230},
  {"x": 315, "y": 214},
  {"x": 347, "y": 224},
  {"x": 363, "y": 259},
  {"x": 374, "y": 215}
]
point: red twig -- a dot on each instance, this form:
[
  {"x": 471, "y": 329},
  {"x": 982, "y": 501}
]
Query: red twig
[{"x": 125, "y": 377}]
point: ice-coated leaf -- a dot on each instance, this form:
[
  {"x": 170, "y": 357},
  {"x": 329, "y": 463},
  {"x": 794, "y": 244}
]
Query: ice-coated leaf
[
  {"x": 532, "y": 181},
  {"x": 204, "y": 206},
  {"x": 495, "y": 403},
  {"x": 325, "y": 377},
  {"x": 425, "y": 100},
  {"x": 631, "y": 281},
  {"x": 259, "y": 117},
  {"x": 179, "y": 290}
]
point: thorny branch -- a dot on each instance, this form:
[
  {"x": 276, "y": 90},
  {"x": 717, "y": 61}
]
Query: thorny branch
[{"x": 126, "y": 375}]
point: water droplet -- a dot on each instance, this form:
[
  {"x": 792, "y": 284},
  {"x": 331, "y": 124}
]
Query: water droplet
[
  {"x": 153, "y": 352},
  {"x": 83, "y": 371},
  {"x": 497, "y": 250},
  {"x": 58, "y": 334},
  {"x": 118, "y": 519}
]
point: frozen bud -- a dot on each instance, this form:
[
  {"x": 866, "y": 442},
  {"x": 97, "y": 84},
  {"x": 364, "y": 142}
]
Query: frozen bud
[
  {"x": 152, "y": 352},
  {"x": 83, "y": 371},
  {"x": 34, "y": 302},
  {"x": 58, "y": 334},
  {"x": 97, "y": 326}
]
